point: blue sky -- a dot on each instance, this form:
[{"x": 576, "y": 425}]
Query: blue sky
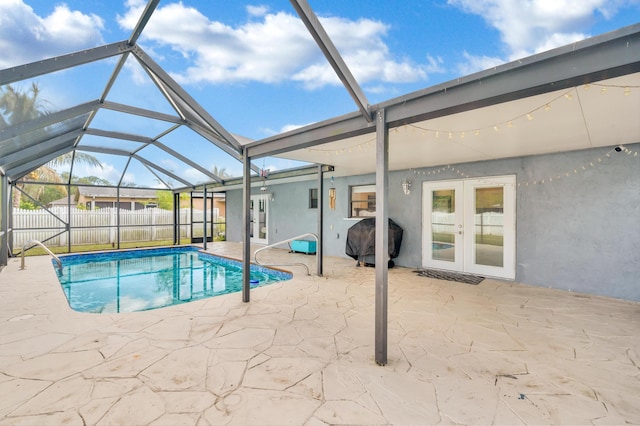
[{"x": 254, "y": 67}]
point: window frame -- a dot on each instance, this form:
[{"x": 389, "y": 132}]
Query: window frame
[
  {"x": 370, "y": 201},
  {"x": 313, "y": 201}
]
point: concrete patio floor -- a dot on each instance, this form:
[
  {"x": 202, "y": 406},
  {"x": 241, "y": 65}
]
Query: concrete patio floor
[{"x": 301, "y": 352}]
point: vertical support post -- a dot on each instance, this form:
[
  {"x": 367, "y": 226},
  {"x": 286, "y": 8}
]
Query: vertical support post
[
  {"x": 4, "y": 223},
  {"x": 191, "y": 216},
  {"x": 246, "y": 222},
  {"x": 382, "y": 236},
  {"x": 10, "y": 219},
  {"x": 205, "y": 201},
  {"x": 319, "y": 254},
  {"x": 176, "y": 218},
  {"x": 118, "y": 216},
  {"x": 68, "y": 218}
]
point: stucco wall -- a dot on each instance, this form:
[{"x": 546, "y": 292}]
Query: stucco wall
[{"x": 578, "y": 233}]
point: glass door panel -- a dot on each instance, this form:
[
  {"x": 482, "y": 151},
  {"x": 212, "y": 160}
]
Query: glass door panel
[
  {"x": 442, "y": 225},
  {"x": 489, "y": 226},
  {"x": 490, "y": 244},
  {"x": 259, "y": 232}
]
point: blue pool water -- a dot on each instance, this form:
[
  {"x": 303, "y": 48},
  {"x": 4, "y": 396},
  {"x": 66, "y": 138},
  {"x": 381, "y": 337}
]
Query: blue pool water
[
  {"x": 441, "y": 246},
  {"x": 138, "y": 280}
]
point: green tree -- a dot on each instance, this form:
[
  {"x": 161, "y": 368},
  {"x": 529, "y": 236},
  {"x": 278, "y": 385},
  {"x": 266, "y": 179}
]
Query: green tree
[
  {"x": 65, "y": 160},
  {"x": 165, "y": 199}
]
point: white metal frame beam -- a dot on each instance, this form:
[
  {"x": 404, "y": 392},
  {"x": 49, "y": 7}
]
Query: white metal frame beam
[
  {"x": 167, "y": 80},
  {"x": 142, "y": 22},
  {"x": 330, "y": 51},
  {"x": 141, "y": 112},
  {"x": 46, "y": 66},
  {"x": 46, "y": 120}
]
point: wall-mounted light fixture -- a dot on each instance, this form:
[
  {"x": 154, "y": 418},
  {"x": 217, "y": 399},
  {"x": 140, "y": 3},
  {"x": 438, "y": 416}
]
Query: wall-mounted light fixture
[{"x": 406, "y": 186}]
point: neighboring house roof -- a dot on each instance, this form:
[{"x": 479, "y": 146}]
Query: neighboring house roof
[{"x": 60, "y": 202}]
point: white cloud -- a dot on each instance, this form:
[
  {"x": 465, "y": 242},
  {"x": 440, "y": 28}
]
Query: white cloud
[
  {"x": 257, "y": 10},
  {"x": 26, "y": 37},
  {"x": 531, "y": 26},
  {"x": 194, "y": 176},
  {"x": 289, "y": 127},
  {"x": 271, "y": 48},
  {"x": 108, "y": 172},
  {"x": 129, "y": 178},
  {"x": 435, "y": 65},
  {"x": 477, "y": 63}
]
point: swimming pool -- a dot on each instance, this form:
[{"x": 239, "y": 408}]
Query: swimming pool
[{"x": 139, "y": 280}]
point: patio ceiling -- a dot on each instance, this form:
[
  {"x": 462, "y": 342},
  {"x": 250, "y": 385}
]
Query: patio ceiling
[{"x": 593, "y": 115}]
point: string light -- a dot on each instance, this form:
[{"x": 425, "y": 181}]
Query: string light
[
  {"x": 541, "y": 181},
  {"x": 453, "y": 134},
  {"x": 496, "y": 127}
]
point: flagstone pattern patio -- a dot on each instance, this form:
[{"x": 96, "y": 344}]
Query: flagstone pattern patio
[{"x": 301, "y": 352}]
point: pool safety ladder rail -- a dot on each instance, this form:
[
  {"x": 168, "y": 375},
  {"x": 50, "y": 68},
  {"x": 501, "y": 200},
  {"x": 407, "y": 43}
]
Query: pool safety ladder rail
[
  {"x": 56, "y": 258},
  {"x": 255, "y": 255}
]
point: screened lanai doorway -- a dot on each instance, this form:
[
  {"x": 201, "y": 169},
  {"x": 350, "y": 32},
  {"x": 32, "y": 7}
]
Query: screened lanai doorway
[{"x": 469, "y": 226}]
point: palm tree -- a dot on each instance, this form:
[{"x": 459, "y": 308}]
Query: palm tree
[
  {"x": 220, "y": 172},
  {"x": 20, "y": 106},
  {"x": 17, "y": 107}
]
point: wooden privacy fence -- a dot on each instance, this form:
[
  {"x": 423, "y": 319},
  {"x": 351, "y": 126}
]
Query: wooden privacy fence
[{"x": 101, "y": 226}]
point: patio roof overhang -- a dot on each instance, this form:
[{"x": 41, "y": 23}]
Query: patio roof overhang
[{"x": 575, "y": 97}]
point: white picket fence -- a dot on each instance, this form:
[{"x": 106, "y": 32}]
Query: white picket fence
[{"x": 100, "y": 226}]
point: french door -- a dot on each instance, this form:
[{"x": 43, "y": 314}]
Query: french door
[
  {"x": 469, "y": 226},
  {"x": 259, "y": 215}
]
